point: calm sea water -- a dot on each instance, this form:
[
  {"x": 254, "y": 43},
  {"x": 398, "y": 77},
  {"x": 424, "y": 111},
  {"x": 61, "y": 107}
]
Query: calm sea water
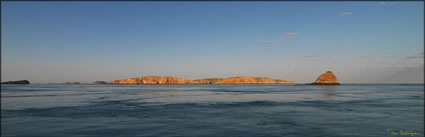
[{"x": 211, "y": 110}]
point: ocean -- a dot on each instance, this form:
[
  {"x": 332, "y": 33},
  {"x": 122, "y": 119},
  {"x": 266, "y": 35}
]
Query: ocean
[{"x": 354, "y": 110}]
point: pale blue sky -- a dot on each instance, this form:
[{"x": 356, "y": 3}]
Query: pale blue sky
[{"x": 87, "y": 41}]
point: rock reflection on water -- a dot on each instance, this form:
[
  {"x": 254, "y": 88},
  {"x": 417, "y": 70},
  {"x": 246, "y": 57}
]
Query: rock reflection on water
[
  {"x": 327, "y": 92},
  {"x": 240, "y": 94},
  {"x": 226, "y": 97}
]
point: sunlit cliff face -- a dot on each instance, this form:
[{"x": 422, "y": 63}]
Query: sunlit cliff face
[
  {"x": 175, "y": 80},
  {"x": 327, "y": 77}
]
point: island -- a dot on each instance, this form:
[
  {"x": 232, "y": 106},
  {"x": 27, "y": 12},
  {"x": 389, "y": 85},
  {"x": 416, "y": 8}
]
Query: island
[
  {"x": 72, "y": 82},
  {"x": 97, "y": 82},
  {"x": 16, "y": 82},
  {"x": 176, "y": 80},
  {"x": 327, "y": 78}
]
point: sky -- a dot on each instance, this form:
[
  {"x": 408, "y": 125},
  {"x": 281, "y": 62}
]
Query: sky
[{"x": 361, "y": 42}]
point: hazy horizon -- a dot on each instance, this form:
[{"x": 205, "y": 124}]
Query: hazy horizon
[{"x": 360, "y": 42}]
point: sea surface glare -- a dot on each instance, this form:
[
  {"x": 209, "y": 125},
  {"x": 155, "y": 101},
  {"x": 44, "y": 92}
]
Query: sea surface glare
[{"x": 356, "y": 110}]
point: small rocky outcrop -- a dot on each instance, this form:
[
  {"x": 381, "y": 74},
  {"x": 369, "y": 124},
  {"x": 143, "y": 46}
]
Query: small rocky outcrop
[
  {"x": 98, "y": 82},
  {"x": 72, "y": 82},
  {"x": 16, "y": 82},
  {"x": 327, "y": 78}
]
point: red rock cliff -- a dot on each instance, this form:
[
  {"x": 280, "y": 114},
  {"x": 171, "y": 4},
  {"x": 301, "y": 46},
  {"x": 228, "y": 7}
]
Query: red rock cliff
[
  {"x": 152, "y": 80},
  {"x": 327, "y": 78},
  {"x": 252, "y": 80},
  {"x": 175, "y": 80}
]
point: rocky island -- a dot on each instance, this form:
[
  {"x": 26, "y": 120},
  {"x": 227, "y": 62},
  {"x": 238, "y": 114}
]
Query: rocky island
[
  {"x": 72, "y": 82},
  {"x": 327, "y": 78},
  {"x": 176, "y": 80},
  {"x": 253, "y": 80},
  {"x": 97, "y": 82},
  {"x": 16, "y": 82}
]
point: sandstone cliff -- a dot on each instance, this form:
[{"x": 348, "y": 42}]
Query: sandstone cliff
[
  {"x": 16, "y": 82},
  {"x": 327, "y": 78},
  {"x": 175, "y": 80},
  {"x": 152, "y": 80},
  {"x": 252, "y": 80},
  {"x": 208, "y": 80}
]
